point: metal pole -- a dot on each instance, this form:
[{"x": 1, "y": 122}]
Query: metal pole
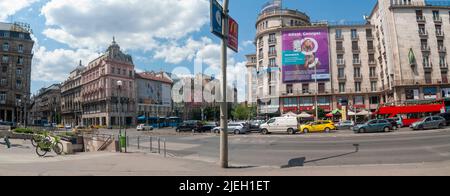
[
  {"x": 151, "y": 144},
  {"x": 126, "y": 142},
  {"x": 139, "y": 147},
  {"x": 165, "y": 152},
  {"x": 159, "y": 145},
  {"x": 317, "y": 93},
  {"x": 223, "y": 105}
]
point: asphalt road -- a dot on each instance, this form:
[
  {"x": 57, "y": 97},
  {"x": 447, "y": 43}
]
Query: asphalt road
[{"x": 334, "y": 149}]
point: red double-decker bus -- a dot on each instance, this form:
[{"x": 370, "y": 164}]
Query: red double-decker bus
[{"x": 413, "y": 111}]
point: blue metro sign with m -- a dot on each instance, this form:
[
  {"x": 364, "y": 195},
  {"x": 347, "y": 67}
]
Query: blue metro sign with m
[{"x": 216, "y": 18}]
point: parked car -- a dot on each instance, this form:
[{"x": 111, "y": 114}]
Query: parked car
[
  {"x": 206, "y": 127},
  {"x": 255, "y": 125},
  {"x": 144, "y": 127},
  {"x": 373, "y": 126},
  {"x": 319, "y": 126},
  {"x": 431, "y": 122},
  {"x": 68, "y": 127},
  {"x": 446, "y": 116},
  {"x": 394, "y": 123},
  {"x": 235, "y": 128},
  {"x": 190, "y": 126},
  {"x": 345, "y": 125},
  {"x": 280, "y": 125}
]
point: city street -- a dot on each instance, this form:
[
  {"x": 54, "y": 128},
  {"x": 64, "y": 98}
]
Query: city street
[{"x": 321, "y": 149}]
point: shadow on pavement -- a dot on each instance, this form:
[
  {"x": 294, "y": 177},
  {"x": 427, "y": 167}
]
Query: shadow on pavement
[{"x": 300, "y": 162}]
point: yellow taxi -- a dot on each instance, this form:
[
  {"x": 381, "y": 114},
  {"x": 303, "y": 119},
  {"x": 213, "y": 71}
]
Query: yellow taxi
[{"x": 319, "y": 126}]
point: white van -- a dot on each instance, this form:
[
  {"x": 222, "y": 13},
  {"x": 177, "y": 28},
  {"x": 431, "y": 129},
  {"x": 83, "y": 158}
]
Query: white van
[{"x": 280, "y": 125}]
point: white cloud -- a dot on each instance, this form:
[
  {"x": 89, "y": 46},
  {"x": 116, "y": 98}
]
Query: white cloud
[
  {"x": 10, "y": 7},
  {"x": 176, "y": 54},
  {"x": 137, "y": 24}
]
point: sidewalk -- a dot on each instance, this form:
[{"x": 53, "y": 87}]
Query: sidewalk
[{"x": 104, "y": 164}]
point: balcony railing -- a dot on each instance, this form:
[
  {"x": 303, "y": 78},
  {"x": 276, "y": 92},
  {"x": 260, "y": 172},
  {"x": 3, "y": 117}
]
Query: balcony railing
[
  {"x": 272, "y": 53},
  {"x": 260, "y": 57},
  {"x": 442, "y": 49},
  {"x": 273, "y": 41},
  {"x": 425, "y": 48},
  {"x": 372, "y": 62},
  {"x": 340, "y": 50},
  {"x": 443, "y": 65},
  {"x": 406, "y": 82},
  {"x": 423, "y": 33},
  {"x": 340, "y": 62},
  {"x": 356, "y": 49},
  {"x": 356, "y": 61},
  {"x": 261, "y": 44},
  {"x": 437, "y": 19},
  {"x": 355, "y": 37},
  {"x": 339, "y": 37},
  {"x": 440, "y": 33},
  {"x": 421, "y": 19}
]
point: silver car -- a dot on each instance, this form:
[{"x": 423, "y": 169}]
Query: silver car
[
  {"x": 144, "y": 127},
  {"x": 235, "y": 128},
  {"x": 432, "y": 122}
]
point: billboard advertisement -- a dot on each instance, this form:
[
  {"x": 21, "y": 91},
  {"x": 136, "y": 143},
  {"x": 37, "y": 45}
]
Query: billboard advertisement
[
  {"x": 233, "y": 34},
  {"x": 305, "y": 52}
]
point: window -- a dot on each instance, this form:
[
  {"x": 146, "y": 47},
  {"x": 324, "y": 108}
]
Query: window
[
  {"x": 439, "y": 30},
  {"x": 124, "y": 72},
  {"x": 374, "y": 100},
  {"x": 342, "y": 87},
  {"x": 3, "y": 82},
  {"x": 272, "y": 62},
  {"x": 20, "y": 48},
  {"x": 354, "y": 34},
  {"x": 369, "y": 33},
  {"x": 272, "y": 50},
  {"x": 442, "y": 62},
  {"x": 426, "y": 61},
  {"x": 321, "y": 88},
  {"x": 272, "y": 38},
  {"x": 372, "y": 72},
  {"x": 339, "y": 46},
  {"x": 18, "y": 84},
  {"x": 4, "y": 69},
  {"x": 21, "y": 36},
  {"x": 305, "y": 88},
  {"x": 440, "y": 45},
  {"x": 338, "y": 33},
  {"x": 6, "y": 34},
  {"x": 261, "y": 55},
  {"x": 424, "y": 44},
  {"x": 20, "y": 60},
  {"x": 357, "y": 72},
  {"x": 5, "y": 46},
  {"x": 356, "y": 59},
  {"x": 19, "y": 71},
  {"x": 5, "y": 59},
  {"x": 444, "y": 77},
  {"x": 355, "y": 45},
  {"x": 436, "y": 16},
  {"x": 2, "y": 97},
  {"x": 422, "y": 30},
  {"x": 373, "y": 86},
  {"x": 341, "y": 73},
  {"x": 428, "y": 78},
  {"x": 372, "y": 58},
  {"x": 289, "y": 89},
  {"x": 370, "y": 45},
  {"x": 131, "y": 74},
  {"x": 358, "y": 100},
  {"x": 357, "y": 86}
]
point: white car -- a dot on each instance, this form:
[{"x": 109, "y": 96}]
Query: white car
[
  {"x": 143, "y": 127},
  {"x": 280, "y": 125}
]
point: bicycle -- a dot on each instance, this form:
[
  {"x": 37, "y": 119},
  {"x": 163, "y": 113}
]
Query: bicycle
[
  {"x": 47, "y": 144},
  {"x": 36, "y": 139}
]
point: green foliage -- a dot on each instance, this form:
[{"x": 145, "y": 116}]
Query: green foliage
[
  {"x": 241, "y": 112},
  {"x": 24, "y": 131}
]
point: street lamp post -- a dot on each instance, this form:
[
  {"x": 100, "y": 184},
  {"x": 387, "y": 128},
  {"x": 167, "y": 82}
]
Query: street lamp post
[
  {"x": 316, "y": 93},
  {"x": 223, "y": 105},
  {"x": 119, "y": 88}
]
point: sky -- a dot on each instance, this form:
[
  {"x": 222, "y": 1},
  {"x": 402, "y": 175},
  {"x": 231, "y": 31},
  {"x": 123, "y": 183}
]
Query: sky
[{"x": 161, "y": 35}]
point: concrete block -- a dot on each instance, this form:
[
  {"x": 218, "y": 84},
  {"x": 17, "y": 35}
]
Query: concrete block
[{"x": 67, "y": 147}]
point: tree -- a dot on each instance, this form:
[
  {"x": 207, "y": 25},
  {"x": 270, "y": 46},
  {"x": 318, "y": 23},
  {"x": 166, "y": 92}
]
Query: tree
[
  {"x": 322, "y": 113},
  {"x": 241, "y": 112}
]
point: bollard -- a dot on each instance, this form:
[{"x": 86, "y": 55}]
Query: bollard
[
  {"x": 139, "y": 147},
  {"x": 151, "y": 145},
  {"x": 165, "y": 153},
  {"x": 159, "y": 145},
  {"x": 126, "y": 139}
]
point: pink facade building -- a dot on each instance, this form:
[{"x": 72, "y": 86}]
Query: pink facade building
[{"x": 108, "y": 89}]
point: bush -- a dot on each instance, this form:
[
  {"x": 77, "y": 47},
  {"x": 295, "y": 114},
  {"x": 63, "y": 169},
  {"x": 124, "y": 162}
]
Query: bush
[{"x": 24, "y": 131}]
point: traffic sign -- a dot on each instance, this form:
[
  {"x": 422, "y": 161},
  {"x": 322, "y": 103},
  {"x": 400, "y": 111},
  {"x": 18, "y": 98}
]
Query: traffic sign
[
  {"x": 233, "y": 34},
  {"x": 216, "y": 18}
]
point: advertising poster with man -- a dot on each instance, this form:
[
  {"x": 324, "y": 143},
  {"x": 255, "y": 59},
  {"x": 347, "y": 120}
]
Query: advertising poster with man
[{"x": 305, "y": 53}]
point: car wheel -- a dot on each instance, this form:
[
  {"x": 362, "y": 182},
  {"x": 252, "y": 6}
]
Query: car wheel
[
  {"x": 327, "y": 130},
  {"x": 177, "y": 130},
  {"x": 291, "y": 131},
  {"x": 421, "y": 127},
  {"x": 362, "y": 130},
  {"x": 237, "y": 132},
  {"x": 305, "y": 131},
  {"x": 440, "y": 126},
  {"x": 386, "y": 129},
  {"x": 394, "y": 127},
  {"x": 264, "y": 131}
]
